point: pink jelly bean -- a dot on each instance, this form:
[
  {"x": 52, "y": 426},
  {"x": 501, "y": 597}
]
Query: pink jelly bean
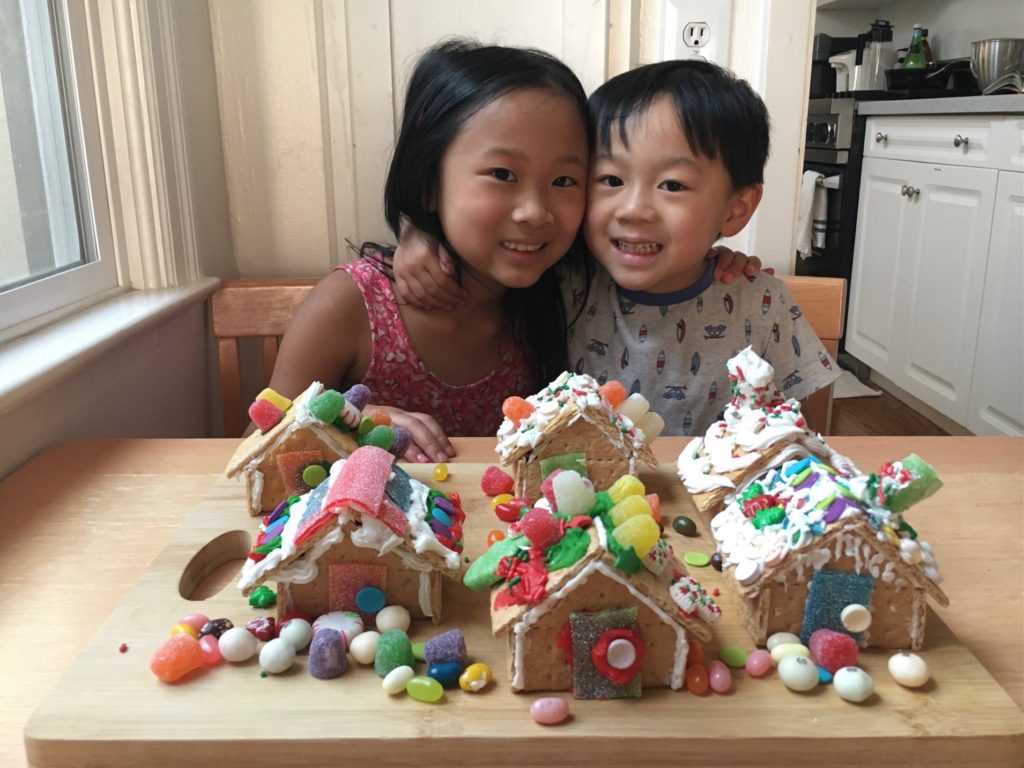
[
  {"x": 194, "y": 620},
  {"x": 719, "y": 677},
  {"x": 550, "y": 710},
  {"x": 210, "y": 647},
  {"x": 758, "y": 663}
]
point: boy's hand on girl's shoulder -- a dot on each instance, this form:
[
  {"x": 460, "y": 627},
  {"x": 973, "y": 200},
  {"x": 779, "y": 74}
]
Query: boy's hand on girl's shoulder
[
  {"x": 428, "y": 443},
  {"x": 424, "y": 273},
  {"x": 732, "y": 264}
]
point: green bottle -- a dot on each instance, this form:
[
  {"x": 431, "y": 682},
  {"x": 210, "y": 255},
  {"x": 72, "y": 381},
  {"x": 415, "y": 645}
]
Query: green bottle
[{"x": 915, "y": 55}]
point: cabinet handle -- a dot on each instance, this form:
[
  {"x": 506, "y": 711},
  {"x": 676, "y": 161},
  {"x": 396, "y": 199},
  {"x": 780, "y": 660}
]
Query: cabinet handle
[
  {"x": 880, "y": 137},
  {"x": 913, "y": 191},
  {"x": 904, "y": 191},
  {"x": 958, "y": 140}
]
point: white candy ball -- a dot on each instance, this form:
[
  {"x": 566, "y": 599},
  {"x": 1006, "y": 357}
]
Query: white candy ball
[
  {"x": 393, "y": 617},
  {"x": 277, "y": 656},
  {"x": 853, "y": 684},
  {"x": 364, "y": 647},
  {"x": 780, "y": 638},
  {"x": 298, "y": 632},
  {"x": 855, "y": 617},
  {"x": 798, "y": 673},
  {"x": 395, "y": 680},
  {"x": 909, "y": 669},
  {"x": 237, "y": 644}
]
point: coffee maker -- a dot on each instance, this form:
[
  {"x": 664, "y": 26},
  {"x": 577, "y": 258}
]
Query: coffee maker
[
  {"x": 823, "y": 76},
  {"x": 875, "y": 54}
]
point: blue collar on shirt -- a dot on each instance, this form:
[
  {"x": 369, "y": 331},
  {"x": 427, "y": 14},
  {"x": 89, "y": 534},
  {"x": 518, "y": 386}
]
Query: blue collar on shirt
[{"x": 676, "y": 297}]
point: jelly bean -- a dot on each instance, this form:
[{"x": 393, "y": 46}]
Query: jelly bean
[
  {"x": 758, "y": 663},
  {"x": 393, "y": 617},
  {"x": 627, "y": 485},
  {"x": 447, "y": 673},
  {"x": 187, "y": 629},
  {"x": 277, "y": 656},
  {"x": 363, "y": 647},
  {"x": 855, "y": 617},
  {"x": 425, "y": 689},
  {"x": 441, "y": 516},
  {"x": 501, "y": 498},
  {"x": 733, "y": 657},
  {"x": 397, "y": 679},
  {"x": 441, "y": 472},
  {"x": 237, "y": 644},
  {"x": 494, "y": 536},
  {"x": 719, "y": 677},
  {"x": 908, "y": 669},
  {"x": 612, "y": 392},
  {"x": 684, "y": 526},
  {"x": 210, "y": 647},
  {"x": 798, "y": 673},
  {"x": 216, "y": 627},
  {"x": 781, "y": 651},
  {"x": 716, "y": 561},
  {"x": 508, "y": 512},
  {"x": 853, "y": 684},
  {"x": 628, "y": 507},
  {"x": 418, "y": 652},
  {"x": 313, "y": 475},
  {"x": 177, "y": 657},
  {"x": 369, "y": 599},
  {"x": 516, "y": 409},
  {"x": 476, "y": 677},
  {"x": 781, "y": 637},
  {"x": 549, "y": 710},
  {"x": 697, "y": 679},
  {"x": 639, "y": 532},
  {"x": 297, "y": 633},
  {"x": 695, "y": 653},
  {"x": 194, "y": 620},
  {"x": 696, "y": 559}
]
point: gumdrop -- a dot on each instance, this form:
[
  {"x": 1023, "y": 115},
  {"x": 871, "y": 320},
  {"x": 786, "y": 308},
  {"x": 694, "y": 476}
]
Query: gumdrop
[
  {"x": 631, "y": 506},
  {"x": 833, "y": 650},
  {"x": 655, "y": 501},
  {"x": 541, "y": 527},
  {"x": 633, "y": 407},
  {"x": 327, "y": 657},
  {"x": 279, "y": 401},
  {"x": 176, "y": 658},
  {"x": 639, "y": 532},
  {"x": 495, "y": 480},
  {"x": 516, "y": 409},
  {"x": 547, "y": 488},
  {"x": 651, "y": 424},
  {"x": 358, "y": 395},
  {"x": 394, "y": 649},
  {"x": 572, "y": 495},
  {"x": 449, "y": 646},
  {"x": 627, "y": 485},
  {"x": 612, "y": 392},
  {"x": 402, "y": 439},
  {"x": 380, "y": 417},
  {"x": 381, "y": 436},
  {"x": 326, "y": 406},
  {"x": 265, "y": 414},
  {"x": 365, "y": 425}
]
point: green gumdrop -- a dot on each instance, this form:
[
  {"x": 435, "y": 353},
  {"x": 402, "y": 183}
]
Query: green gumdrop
[
  {"x": 574, "y": 461},
  {"x": 925, "y": 482},
  {"x": 326, "y": 406},
  {"x": 366, "y": 425},
  {"x": 394, "y": 649},
  {"x": 262, "y": 597},
  {"x": 381, "y": 436},
  {"x": 480, "y": 575}
]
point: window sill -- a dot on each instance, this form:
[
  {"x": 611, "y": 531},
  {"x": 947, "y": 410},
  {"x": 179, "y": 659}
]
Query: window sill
[{"x": 54, "y": 353}]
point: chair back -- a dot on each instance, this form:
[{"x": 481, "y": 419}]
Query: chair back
[
  {"x": 242, "y": 309},
  {"x": 822, "y": 301}
]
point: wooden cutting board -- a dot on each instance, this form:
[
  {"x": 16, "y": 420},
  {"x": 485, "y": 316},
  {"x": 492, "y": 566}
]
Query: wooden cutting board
[{"x": 110, "y": 709}]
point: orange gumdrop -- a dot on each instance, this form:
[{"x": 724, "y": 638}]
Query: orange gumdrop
[
  {"x": 516, "y": 409},
  {"x": 655, "y": 502},
  {"x": 379, "y": 417},
  {"x": 494, "y": 536},
  {"x": 696, "y": 653},
  {"x": 697, "y": 679},
  {"x": 612, "y": 392},
  {"x": 176, "y": 658}
]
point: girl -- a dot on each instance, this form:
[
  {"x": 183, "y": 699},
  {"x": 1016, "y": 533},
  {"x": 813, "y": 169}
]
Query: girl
[{"x": 491, "y": 162}]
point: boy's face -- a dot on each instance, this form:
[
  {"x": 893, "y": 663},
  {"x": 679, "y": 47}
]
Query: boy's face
[{"x": 654, "y": 209}]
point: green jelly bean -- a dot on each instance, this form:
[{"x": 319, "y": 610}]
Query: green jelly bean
[
  {"x": 425, "y": 689},
  {"x": 734, "y": 657},
  {"x": 684, "y": 525}
]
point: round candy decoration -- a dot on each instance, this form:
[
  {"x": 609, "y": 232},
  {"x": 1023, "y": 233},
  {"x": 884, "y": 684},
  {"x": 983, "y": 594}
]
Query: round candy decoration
[
  {"x": 853, "y": 684},
  {"x": 393, "y": 617},
  {"x": 618, "y": 654},
  {"x": 363, "y": 647},
  {"x": 369, "y": 599},
  {"x": 908, "y": 669},
  {"x": 855, "y": 617},
  {"x": 799, "y": 673},
  {"x": 297, "y": 632}
]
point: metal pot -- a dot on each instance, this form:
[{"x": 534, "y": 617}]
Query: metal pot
[{"x": 998, "y": 63}]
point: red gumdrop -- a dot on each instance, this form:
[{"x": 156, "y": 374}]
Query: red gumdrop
[
  {"x": 541, "y": 527},
  {"x": 516, "y": 409},
  {"x": 695, "y": 655},
  {"x": 495, "y": 481},
  {"x": 655, "y": 502},
  {"x": 833, "y": 650},
  {"x": 697, "y": 679},
  {"x": 177, "y": 657},
  {"x": 265, "y": 414},
  {"x": 612, "y": 392},
  {"x": 548, "y": 489},
  {"x": 508, "y": 512}
]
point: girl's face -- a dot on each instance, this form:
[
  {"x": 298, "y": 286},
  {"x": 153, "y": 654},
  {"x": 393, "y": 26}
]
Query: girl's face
[{"x": 512, "y": 191}]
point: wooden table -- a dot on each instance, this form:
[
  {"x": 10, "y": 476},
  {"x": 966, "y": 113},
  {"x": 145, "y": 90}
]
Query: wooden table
[{"x": 83, "y": 521}]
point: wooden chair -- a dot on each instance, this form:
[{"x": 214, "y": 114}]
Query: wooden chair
[
  {"x": 250, "y": 309},
  {"x": 822, "y": 301}
]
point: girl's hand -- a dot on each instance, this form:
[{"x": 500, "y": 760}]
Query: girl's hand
[
  {"x": 428, "y": 443},
  {"x": 731, "y": 264},
  {"x": 424, "y": 273}
]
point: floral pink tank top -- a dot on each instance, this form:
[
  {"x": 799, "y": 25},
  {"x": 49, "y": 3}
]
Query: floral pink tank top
[{"x": 398, "y": 377}]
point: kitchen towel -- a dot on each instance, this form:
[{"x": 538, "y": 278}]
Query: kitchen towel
[{"x": 810, "y": 226}]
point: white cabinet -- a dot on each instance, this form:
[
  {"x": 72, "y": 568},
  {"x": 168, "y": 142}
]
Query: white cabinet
[{"x": 938, "y": 268}]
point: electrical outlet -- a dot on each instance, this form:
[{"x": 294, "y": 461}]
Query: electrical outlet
[{"x": 696, "y": 28}]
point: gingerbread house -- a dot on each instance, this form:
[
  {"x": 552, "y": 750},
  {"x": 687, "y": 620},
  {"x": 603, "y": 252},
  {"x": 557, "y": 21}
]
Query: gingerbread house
[
  {"x": 802, "y": 542},
  {"x": 574, "y": 424},
  {"x": 290, "y": 454},
  {"x": 367, "y": 526}
]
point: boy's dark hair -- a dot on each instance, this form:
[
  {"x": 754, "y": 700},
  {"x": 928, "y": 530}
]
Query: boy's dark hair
[
  {"x": 450, "y": 83},
  {"x": 720, "y": 114}
]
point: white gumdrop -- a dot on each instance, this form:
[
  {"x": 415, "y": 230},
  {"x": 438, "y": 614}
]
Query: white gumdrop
[
  {"x": 633, "y": 407},
  {"x": 652, "y": 424},
  {"x": 572, "y": 495}
]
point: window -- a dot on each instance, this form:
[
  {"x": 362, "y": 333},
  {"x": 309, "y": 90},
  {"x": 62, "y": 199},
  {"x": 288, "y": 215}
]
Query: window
[{"x": 50, "y": 254}]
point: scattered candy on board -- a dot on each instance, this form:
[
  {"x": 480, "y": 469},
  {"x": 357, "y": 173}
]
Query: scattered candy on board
[
  {"x": 908, "y": 669},
  {"x": 798, "y": 673},
  {"x": 237, "y": 645},
  {"x": 549, "y": 710},
  {"x": 853, "y": 684},
  {"x": 277, "y": 656},
  {"x": 297, "y": 632}
]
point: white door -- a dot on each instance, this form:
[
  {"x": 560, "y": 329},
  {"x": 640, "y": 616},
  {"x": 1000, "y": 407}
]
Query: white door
[{"x": 997, "y": 392}]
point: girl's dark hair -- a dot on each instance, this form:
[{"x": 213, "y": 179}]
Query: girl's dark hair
[
  {"x": 719, "y": 113},
  {"x": 451, "y": 82}
]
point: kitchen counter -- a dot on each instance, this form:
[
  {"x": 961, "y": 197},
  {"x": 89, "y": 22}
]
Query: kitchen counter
[{"x": 1004, "y": 102}]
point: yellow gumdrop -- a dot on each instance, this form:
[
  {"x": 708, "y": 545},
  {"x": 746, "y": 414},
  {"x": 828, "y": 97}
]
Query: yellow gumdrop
[
  {"x": 639, "y": 532},
  {"x": 627, "y": 485},
  {"x": 184, "y": 629},
  {"x": 441, "y": 472},
  {"x": 280, "y": 402},
  {"x": 501, "y": 498},
  {"x": 475, "y": 677},
  {"x": 630, "y": 506}
]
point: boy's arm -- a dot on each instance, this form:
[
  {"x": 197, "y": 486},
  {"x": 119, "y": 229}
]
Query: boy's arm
[{"x": 424, "y": 273}]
